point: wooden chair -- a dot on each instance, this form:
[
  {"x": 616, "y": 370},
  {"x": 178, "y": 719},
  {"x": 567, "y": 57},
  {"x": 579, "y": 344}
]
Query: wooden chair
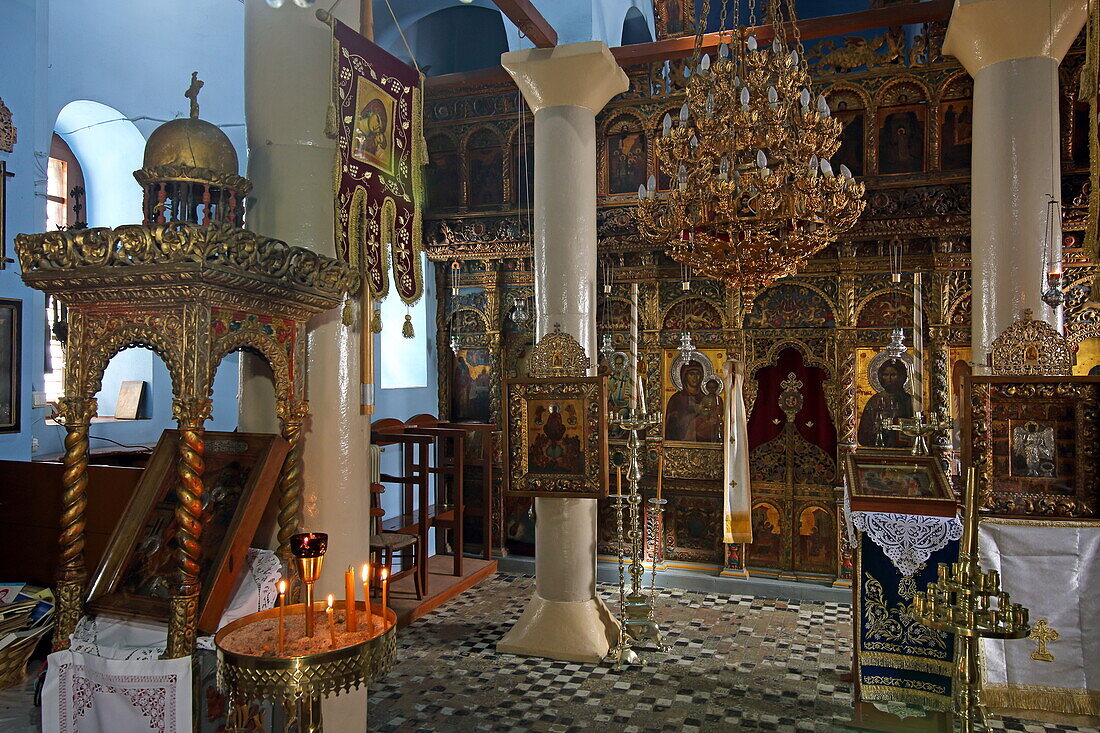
[
  {"x": 384, "y": 545},
  {"x": 448, "y": 468},
  {"x": 413, "y": 480}
]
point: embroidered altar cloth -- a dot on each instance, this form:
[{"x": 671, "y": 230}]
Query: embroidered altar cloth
[
  {"x": 111, "y": 678},
  {"x": 908, "y": 540},
  {"x": 1053, "y": 569}
]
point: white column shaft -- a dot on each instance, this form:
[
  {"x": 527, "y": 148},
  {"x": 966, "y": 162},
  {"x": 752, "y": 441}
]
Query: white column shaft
[
  {"x": 1015, "y": 167},
  {"x": 290, "y": 165}
]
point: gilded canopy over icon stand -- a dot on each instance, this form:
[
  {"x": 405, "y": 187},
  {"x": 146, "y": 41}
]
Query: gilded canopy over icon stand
[{"x": 192, "y": 285}]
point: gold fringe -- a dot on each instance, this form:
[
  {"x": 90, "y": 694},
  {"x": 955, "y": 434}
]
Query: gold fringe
[
  {"x": 888, "y": 693},
  {"x": 388, "y": 224},
  {"x": 1036, "y": 697},
  {"x": 419, "y": 160},
  {"x": 903, "y": 661},
  {"x": 332, "y": 127},
  {"x": 357, "y": 217}
]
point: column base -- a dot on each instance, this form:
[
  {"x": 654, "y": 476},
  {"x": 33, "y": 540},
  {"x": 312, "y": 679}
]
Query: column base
[
  {"x": 734, "y": 573},
  {"x": 570, "y": 631}
]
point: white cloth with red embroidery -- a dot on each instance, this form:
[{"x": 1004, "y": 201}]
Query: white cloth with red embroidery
[{"x": 111, "y": 679}]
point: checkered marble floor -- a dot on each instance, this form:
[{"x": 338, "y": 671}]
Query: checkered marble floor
[{"x": 737, "y": 663}]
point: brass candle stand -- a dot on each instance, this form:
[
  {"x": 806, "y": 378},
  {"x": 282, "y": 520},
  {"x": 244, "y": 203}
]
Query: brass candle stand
[
  {"x": 299, "y": 682},
  {"x": 918, "y": 427},
  {"x": 637, "y": 622},
  {"x": 961, "y": 602}
]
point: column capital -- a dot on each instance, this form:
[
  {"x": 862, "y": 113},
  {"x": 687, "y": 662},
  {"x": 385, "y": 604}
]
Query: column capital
[
  {"x": 985, "y": 32},
  {"x": 577, "y": 75}
]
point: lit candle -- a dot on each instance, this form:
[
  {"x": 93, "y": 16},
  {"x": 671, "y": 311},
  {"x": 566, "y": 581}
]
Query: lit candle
[
  {"x": 351, "y": 616},
  {"x": 282, "y": 613},
  {"x": 385, "y": 592},
  {"x": 331, "y": 622},
  {"x": 366, "y": 596}
]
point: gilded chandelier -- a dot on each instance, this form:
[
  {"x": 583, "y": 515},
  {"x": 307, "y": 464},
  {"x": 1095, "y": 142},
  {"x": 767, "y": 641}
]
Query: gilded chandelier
[{"x": 753, "y": 194}]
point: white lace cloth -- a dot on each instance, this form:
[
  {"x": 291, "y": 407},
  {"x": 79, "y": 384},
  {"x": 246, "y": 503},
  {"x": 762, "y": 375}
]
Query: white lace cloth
[
  {"x": 111, "y": 679},
  {"x": 907, "y": 539}
]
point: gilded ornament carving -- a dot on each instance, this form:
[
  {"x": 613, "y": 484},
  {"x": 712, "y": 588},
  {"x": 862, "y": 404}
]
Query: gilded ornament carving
[
  {"x": 8, "y": 133},
  {"x": 291, "y": 414},
  {"x": 190, "y": 174},
  {"x": 70, "y": 609},
  {"x": 1031, "y": 347},
  {"x": 221, "y": 253},
  {"x": 558, "y": 354},
  {"x": 191, "y": 294}
]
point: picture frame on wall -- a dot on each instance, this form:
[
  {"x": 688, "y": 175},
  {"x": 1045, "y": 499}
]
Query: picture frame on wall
[
  {"x": 138, "y": 570},
  {"x": 555, "y": 437},
  {"x": 1033, "y": 443},
  {"x": 11, "y": 337}
]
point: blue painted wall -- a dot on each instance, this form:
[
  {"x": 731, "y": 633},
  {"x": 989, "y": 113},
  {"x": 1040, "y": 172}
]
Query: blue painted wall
[{"x": 49, "y": 49}]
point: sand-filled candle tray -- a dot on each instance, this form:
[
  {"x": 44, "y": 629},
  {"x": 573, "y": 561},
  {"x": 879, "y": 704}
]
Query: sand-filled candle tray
[{"x": 249, "y": 666}]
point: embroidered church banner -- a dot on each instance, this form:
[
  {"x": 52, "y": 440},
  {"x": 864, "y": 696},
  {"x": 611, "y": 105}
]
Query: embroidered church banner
[
  {"x": 375, "y": 117},
  {"x": 900, "y": 659}
]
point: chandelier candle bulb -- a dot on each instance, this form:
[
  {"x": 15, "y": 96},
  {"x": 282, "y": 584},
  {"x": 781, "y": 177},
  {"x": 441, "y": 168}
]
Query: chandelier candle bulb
[
  {"x": 351, "y": 616},
  {"x": 331, "y": 623}
]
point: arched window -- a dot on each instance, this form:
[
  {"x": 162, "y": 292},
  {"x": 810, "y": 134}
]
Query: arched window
[
  {"x": 458, "y": 38},
  {"x": 635, "y": 28}
]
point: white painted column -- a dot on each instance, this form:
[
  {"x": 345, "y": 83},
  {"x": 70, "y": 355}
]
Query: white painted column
[
  {"x": 290, "y": 165},
  {"x": 1012, "y": 48},
  {"x": 565, "y": 87}
]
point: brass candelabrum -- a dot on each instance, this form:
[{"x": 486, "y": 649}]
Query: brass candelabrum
[
  {"x": 637, "y": 624},
  {"x": 918, "y": 427},
  {"x": 969, "y": 603}
]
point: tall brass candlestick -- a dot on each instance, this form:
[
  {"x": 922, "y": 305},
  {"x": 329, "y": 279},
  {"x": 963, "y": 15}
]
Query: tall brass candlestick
[{"x": 309, "y": 549}]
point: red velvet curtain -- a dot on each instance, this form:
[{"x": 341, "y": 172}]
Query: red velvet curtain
[{"x": 812, "y": 421}]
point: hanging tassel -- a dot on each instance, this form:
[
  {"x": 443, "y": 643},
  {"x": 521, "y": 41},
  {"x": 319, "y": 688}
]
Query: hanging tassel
[
  {"x": 376, "y": 322},
  {"x": 407, "y": 328},
  {"x": 346, "y": 316}
]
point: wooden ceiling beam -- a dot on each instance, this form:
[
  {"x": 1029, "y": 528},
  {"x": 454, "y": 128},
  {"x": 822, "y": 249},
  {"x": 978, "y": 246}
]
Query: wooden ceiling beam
[
  {"x": 529, "y": 21},
  {"x": 677, "y": 48}
]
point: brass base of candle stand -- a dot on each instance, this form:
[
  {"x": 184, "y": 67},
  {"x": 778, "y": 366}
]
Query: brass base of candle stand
[{"x": 299, "y": 682}]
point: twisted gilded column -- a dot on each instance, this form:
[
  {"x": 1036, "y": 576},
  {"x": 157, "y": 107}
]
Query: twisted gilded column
[
  {"x": 291, "y": 413},
  {"x": 76, "y": 413},
  {"x": 190, "y": 415},
  {"x": 940, "y": 394}
]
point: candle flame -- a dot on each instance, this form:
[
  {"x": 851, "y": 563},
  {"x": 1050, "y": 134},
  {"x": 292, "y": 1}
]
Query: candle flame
[
  {"x": 366, "y": 571},
  {"x": 282, "y": 587},
  {"x": 330, "y": 600},
  {"x": 385, "y": 573}
]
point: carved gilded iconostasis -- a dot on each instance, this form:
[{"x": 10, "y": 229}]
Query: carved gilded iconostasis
[{"x": 808, "y": 341}]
